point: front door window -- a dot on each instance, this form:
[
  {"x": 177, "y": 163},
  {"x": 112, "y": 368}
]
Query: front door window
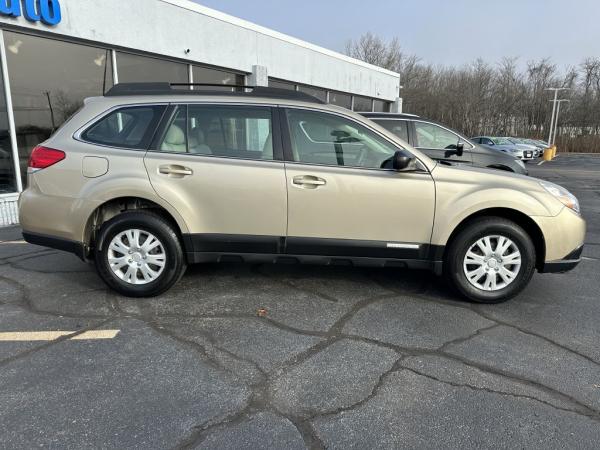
[
  {"x": 328, "y": 139},
  {"x": 435, "y": 137}
]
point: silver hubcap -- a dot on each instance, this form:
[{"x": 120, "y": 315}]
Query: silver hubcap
[
  {"x": 492, "y": 263},
  {"x": 136, "y": 256}
]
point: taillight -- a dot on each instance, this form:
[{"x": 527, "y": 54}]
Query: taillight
[{"x": 42, "y": 157}]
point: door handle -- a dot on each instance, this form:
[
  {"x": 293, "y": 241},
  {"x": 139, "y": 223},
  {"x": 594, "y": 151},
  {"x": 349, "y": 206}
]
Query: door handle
[
  {"x": 308, "y": 181},
  {"x": 175, "y": 170}
]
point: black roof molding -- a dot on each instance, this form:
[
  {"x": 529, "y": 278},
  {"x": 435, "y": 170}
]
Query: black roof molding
[
  {"x": 380, "y": 115},
  {"x": 130, "y": 89}
]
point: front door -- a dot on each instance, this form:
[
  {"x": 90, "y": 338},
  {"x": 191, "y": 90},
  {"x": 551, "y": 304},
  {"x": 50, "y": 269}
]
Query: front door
[
  {"x": 219, "y": 166},
  {"x": 342, "y": 198},
  {"x": 440, "y": 143}
]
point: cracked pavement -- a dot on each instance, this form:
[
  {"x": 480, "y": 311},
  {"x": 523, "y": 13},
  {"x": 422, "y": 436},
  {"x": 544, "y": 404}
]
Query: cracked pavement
[{"x": 340, "y": 358}]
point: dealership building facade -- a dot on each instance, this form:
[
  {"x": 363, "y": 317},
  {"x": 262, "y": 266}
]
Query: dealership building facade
[{"x": 55, "y": 53}]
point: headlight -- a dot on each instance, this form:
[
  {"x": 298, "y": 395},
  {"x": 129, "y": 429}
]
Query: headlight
[{"x": 561, "y": 194}]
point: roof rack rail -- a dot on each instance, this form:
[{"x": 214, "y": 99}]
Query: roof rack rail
[
  {"x": 130, "y": 89},
  {"x": 384, "y": 114}
]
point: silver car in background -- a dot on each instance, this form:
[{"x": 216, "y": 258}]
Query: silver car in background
[
  {"x": 502, "y": 144},
  {"x": 522, "y": 143},
  {"x": 541, "y": 145}
]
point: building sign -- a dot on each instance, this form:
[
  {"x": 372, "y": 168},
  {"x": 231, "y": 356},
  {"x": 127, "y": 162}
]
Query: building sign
[{"x": 45, "y": 11}]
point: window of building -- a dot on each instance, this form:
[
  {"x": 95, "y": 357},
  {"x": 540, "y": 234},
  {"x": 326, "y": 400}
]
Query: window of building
[
  {"x": 363, "y": 104},
  {"x": 214, "y": 76},
  {"x": 434, "y": 136},
  {"x": 381, "y": 106},
  {"x": 224, "y": 131},
  {"x": 398, "y": 127},
  {"x": 8, "y": 181},
  {"x": 321, "y": 94},
  {"x": 136, "y": 68},
  {"x": 131, "y": 127},
  {"x": 49, "y": 80},
  {"x": 279, "y": 84},
  {"x": 320, "y": 138},
  {"x": 340, "y": 99}
]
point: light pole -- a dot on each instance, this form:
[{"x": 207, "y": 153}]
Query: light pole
[
  {"x": 556, "y": 90},
  {"x": 556, "y": 121}
]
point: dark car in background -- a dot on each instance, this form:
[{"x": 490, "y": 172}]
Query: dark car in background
[{"x": 444, "y": 144}]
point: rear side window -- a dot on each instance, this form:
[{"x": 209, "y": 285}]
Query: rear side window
[
  {"x": 222, "y": 131},
  {"x": 129, "y": 127}
]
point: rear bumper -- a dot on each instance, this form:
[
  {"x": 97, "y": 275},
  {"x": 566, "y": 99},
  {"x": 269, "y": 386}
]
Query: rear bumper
[
  {"x": 563, "y": 265},
  {"x": 77, "y": 248}
]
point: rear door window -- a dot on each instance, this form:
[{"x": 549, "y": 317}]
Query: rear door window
[
  {"x": 222, "y": 131},
  {"x": 129, "y": 127}
]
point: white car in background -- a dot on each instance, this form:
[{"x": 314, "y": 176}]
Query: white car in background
[
  {"x": 521, "y": 144},
  {"x": 504, "y": 145}
]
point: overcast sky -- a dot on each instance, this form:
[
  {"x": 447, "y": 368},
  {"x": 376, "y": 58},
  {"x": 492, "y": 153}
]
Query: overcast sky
[{"x": 445, "y": 32}]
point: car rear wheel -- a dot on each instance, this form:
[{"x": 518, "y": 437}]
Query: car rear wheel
[
  {"x": 491, "y": 260},
  {"x": 139, "y": 255}
]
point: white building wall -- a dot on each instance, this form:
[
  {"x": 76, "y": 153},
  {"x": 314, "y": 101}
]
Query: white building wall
[{"x": 169, "y": 27}]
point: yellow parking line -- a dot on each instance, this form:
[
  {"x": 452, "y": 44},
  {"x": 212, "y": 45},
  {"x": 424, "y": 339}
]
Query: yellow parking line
[{"x": 24, "y": 336}]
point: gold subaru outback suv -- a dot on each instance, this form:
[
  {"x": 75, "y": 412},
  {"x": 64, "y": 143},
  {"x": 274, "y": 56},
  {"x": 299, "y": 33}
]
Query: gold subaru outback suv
[{"x": 150, "y": 178}]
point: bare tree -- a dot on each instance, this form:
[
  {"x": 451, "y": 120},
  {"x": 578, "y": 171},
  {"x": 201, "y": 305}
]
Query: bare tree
[{"x": 506, "y": 99}]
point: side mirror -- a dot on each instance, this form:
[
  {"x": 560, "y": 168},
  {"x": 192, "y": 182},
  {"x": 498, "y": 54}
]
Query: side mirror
[
  {"x": 400, "y": 161},
  {"x": 460, "y": 149}
]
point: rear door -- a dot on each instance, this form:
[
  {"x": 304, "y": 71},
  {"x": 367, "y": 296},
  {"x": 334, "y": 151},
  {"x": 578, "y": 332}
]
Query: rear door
[
  {"x": 440, "y": 143},
  {"x": 221, "y": 167}
]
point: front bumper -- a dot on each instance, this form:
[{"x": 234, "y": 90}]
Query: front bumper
[
  {"x": 527, "y": 155},
  {"x": 564, "y": 237},
  {"x": 563, "y": 265}
]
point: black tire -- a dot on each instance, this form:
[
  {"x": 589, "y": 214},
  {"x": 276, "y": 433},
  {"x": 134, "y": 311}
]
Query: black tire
[
  {"x": 146, "y": 221},
  {"x": 462, "y": 242}
]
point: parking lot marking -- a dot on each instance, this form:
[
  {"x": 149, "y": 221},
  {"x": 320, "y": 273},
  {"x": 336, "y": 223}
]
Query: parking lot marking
[
  {"x": 24, "y": 336},
  {"x": 541, "y": 162}
]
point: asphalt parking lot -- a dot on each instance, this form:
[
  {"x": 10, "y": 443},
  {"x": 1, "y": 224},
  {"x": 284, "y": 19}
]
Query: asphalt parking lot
[{"x": 288, "y": 357}]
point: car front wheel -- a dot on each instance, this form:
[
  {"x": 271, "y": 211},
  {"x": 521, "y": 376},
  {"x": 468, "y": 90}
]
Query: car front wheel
[
  {"x": 139, "y": 255},
  {"x": 491, "y": 260}
]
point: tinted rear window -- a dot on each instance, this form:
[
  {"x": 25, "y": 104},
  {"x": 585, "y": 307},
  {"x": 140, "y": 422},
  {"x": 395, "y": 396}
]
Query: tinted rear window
[{"x": 128, "y": 127}]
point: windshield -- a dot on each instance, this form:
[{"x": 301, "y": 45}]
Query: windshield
[{"x": 500, "y": 141}]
